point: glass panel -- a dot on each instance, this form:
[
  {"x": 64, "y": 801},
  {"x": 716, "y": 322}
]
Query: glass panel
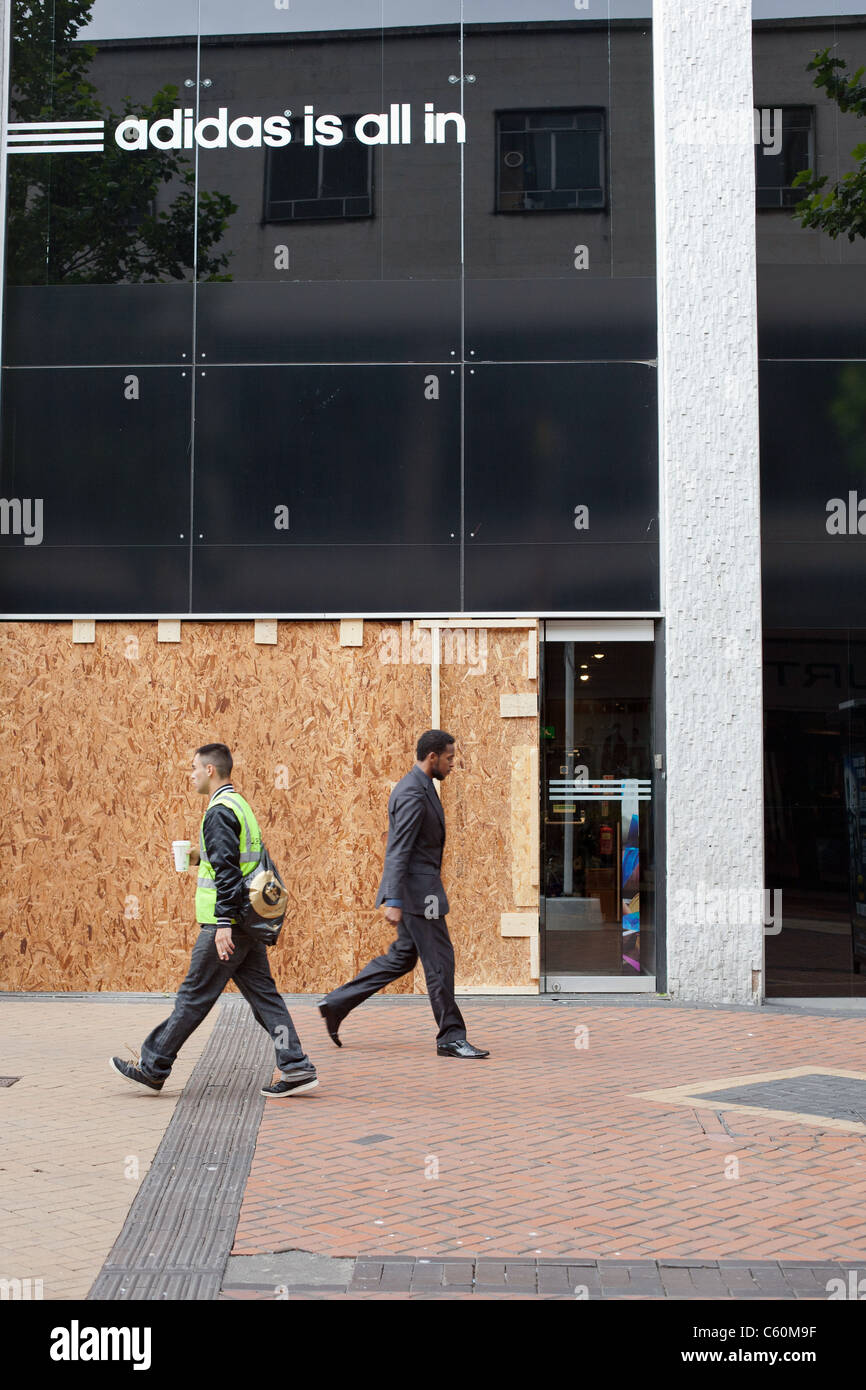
[
  {"x": 99, "y": 459},
  {"x": 559, "y": 106},
  {"x": 541, "y": 85},
  {"x": 803, "y": 55},
  {"x": 814, "y": 758},
  {"x": 596, "y": 812},
  {"x": 855, "y": 806},
  {"x": 811, "y": 255},
  {"x": 561, "y": 487},
  {"x": 813, "y": 492},
  {"x": 100, "y": 186},
  {"x": 319, "y": 138},
  {"x": 419, "y": 182},
  {"x": 811, "y": 290},
  {"x": 298, "y": 520}
]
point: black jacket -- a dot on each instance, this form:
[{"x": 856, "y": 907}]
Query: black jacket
[
  {"x": 413, "y": 857},
  {"x": 222, "y": 840}
]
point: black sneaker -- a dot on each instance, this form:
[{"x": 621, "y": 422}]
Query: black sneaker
[
  {"x": 292, "y": 1086},
  {"x": 132, "y": 1072}
]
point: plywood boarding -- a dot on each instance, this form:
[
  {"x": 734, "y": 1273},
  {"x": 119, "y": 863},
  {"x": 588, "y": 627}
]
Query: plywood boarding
[
  {"x": 524, "y": 813},
  {"x": 477, "y": 868},
  {"x": 98, "y": 741}
]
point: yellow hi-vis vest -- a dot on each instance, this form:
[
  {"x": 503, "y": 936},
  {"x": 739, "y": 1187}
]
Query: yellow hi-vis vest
[{"x": 250, "y": 847}]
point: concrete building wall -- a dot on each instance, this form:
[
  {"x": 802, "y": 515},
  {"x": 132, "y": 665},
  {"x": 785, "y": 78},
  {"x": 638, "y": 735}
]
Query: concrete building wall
[{"x": 711, "y": 603}]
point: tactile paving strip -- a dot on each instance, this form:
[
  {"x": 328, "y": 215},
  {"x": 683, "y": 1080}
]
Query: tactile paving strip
[{"x": 178, "y": 1233}]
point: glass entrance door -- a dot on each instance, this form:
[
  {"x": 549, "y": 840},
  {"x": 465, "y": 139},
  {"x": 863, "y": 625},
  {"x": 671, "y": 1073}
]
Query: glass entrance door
[{"x": 596, "y": 786}]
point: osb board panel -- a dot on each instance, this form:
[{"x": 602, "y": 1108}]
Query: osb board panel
[
  {"x": 477, "y": 867},
  {"x": 524, "y": 803},
  {"x": 98, "y": 742}
]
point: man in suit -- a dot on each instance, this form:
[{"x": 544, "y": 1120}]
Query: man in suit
[{"x": 415, "y": 902}]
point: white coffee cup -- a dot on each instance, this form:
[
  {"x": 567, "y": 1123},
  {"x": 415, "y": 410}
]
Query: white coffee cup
[{"x": 181, "y": 854}]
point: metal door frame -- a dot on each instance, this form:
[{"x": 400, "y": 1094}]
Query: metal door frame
[{"x": 602, "y": 630}]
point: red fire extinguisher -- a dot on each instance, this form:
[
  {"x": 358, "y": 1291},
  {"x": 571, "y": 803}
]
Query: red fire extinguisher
[{"x": 605, "y": 842}]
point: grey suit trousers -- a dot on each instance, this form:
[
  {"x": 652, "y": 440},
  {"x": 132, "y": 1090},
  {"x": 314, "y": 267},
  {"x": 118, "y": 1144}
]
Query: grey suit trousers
[
  {"x": 416, "y": 936},
  {"x": 206, "y": 979}
]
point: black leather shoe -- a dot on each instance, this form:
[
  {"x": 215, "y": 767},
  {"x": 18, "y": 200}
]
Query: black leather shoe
[
  {"x": 332, "y": 1022},
  {"x": 460, "y": 1048}
]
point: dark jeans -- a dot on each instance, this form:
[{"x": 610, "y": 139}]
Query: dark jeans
[
  {"x": 416, "y": 936},
  {"x": 207, "y": 977}
]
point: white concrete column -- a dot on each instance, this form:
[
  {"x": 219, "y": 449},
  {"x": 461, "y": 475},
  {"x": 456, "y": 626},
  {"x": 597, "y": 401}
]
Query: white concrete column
[{"x": 709, "y": 498}]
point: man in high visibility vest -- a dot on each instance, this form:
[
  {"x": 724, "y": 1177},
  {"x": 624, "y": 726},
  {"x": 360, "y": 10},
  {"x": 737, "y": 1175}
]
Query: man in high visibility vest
[{"x": 229, "y": 845}]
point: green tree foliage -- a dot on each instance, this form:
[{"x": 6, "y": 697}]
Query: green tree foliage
[
  {"x": 842, "y": 208},
  {"x": 93, "y": 218}
]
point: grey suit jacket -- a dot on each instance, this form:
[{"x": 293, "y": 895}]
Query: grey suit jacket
[{"x": 413, "y": 857}]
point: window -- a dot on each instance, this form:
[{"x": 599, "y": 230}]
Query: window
[
  {"x": 550, "y": 160},
  {"x": 317, "y": 181},
  {"x": 784, "y": 144},
  {"x": 133, "y": 217}
]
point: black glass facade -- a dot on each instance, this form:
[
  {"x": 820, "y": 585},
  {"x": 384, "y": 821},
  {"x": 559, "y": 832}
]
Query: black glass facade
[
  {"x": 350, "y": 311},
  {"x": 812, "y": 348}
]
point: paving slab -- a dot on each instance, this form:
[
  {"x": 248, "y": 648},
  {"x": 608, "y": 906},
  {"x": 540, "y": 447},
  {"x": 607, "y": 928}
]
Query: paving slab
[{"x": 78, "y": 1140}]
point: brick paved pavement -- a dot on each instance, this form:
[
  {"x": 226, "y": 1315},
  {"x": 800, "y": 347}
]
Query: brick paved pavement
[
  {"x": 546, "y": 1150},
  {"x": 540, "y": 1170},
  {"x": 76, "y": 1140}
]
